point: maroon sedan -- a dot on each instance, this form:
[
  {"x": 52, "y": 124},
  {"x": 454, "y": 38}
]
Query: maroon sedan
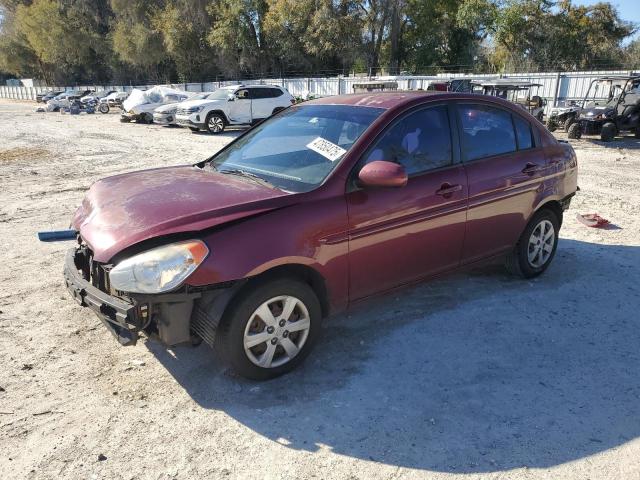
[{"x": 322, "y": 205}]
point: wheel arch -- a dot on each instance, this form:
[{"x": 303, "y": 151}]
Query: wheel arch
[
  {"x": 299, "y": 271},
  {"x": 552, "y": 205},
  {"x": 220, "y": 112}
]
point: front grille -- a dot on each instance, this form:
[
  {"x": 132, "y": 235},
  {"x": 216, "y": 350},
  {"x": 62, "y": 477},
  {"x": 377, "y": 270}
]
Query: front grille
[
  {"x": 186, "y": 111},
  {"x": 94, "y": 272}
]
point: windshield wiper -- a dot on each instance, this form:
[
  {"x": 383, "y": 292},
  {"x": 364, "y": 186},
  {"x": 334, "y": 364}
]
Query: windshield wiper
[{"x": 244, "y": 173}]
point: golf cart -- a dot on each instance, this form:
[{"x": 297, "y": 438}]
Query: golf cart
[
  {"x": 611, "y": 106},
  {"x": 563, "y": 116},
  {"x": 516, "y": 91}
]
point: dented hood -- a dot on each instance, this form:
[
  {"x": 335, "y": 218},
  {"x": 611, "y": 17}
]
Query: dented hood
[{"x": 123, "y": 210}]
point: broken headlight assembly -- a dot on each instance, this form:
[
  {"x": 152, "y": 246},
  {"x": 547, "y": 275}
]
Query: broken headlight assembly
[{"x": 160, "y": 269}]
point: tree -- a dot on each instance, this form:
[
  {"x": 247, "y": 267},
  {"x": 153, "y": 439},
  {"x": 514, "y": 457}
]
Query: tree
[
  {"x": 184, "y": 26},
  {"x": 238, "y": 36}
]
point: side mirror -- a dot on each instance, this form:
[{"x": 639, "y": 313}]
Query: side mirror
[
  {"x": 231, "y": 97},
  {"x": 383, "y": 174}
]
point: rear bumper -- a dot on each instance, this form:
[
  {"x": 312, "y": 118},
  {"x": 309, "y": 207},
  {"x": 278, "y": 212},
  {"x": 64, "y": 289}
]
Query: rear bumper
[{"x": 123, "y": 319}]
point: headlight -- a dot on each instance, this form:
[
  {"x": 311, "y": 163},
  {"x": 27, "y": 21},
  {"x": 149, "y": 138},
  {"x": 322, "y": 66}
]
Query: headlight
[{"x": 158, "y": 270}]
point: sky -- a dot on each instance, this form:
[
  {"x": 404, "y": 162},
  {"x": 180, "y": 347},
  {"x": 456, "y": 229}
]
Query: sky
[{"x": 628, "y": 9}]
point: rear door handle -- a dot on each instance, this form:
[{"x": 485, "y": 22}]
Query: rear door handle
[
  {"x": 530, "y": 168},
  {"x": 447, "y": 189}
]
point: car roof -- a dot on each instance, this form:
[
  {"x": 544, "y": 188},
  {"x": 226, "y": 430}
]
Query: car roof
[{"x": 399, "y": 99}]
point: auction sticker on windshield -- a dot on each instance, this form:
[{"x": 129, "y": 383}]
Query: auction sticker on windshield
[{"x": 327, "y": 149}]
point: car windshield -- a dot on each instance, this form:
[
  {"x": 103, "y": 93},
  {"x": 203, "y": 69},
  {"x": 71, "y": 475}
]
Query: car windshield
[
  {"x": 220, "y": 94},
  {"x": 297, "y": 149}
]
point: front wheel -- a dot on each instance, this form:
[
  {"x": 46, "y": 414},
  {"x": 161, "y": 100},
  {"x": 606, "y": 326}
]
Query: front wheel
[
  {"x": 270, "y": 329},
  {"x": 103, "y": 108},
  {"x": 215, "y": 123},
  {"x": 574, "y": 131},
  {"x": 536, "y": 247},
  {"x": 552, "y": 124},
  {"x": 608, "y": 132}
]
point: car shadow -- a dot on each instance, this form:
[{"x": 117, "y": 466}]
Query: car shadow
[{"x": 475, "y": 372}]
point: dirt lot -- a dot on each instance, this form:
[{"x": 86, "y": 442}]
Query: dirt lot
[{"x": 478, "y": 375}]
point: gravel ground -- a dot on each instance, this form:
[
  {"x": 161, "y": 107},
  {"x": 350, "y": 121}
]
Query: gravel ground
[{"x": 476, "y": 375}]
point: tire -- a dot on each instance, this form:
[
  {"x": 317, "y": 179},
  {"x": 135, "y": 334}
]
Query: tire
[
  {"x": 242, "y": 316},
  {"x": 608, "y": 132},
  {"x": 147, "y": 118},
  {"x": 552, "y": 124},
  {"x": 103, "y": 108},
  {"x": 522, "y": 260},
  {"x": 568, "y": 122},
  {"x": 125, "y": 120},
  {"x": 194, "y": 129},
  {"x": 574, "y": 131},
  {"x": 215, "y": 123},
  {"x": 637, "y": 132},
  {"x": 540, "y": 117}
]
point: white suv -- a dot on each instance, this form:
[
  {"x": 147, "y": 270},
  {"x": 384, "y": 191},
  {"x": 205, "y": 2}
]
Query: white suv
[{"x": 233, "y": 105}]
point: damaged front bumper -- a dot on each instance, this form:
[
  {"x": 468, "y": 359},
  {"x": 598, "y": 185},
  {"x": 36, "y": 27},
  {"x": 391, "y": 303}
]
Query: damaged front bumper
[
  {"x": 165, "y": 317},
  {"x": 123, "y": 319}
]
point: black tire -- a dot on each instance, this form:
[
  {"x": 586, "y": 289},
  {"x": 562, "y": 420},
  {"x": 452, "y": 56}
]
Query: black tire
[
  {"x": 517, "y": 262},
  {"x": 540, "y": 117},
  {"x": 125, "y": 119},
  {"x": 637, "y": 132},
  {"x": 568, "y": 122},
  {"x": 194, "y": 129},
  {"x": 552, "y": 124},
  {"x": 147, "y": 118},
  {"x": 608, "y": 132},
  {"x": 103, "y": 108},
  {"x": 229, "y": 342},
  {"x": 574, "y": 131},
  {"x": 215, "y": 123}
]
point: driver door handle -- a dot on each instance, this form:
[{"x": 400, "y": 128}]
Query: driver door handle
[
  {"x": 447, "y": 189},
  {"x": 530, "y": 168}
]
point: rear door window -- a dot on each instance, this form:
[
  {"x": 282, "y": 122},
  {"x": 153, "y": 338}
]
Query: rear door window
[{"x": 486, "y": 131}]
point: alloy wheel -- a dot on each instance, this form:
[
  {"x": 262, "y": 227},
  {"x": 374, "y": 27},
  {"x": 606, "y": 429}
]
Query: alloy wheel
[
  {"x": 276, "y": 331},
  {"x": 216, "y": 124},
  {"x": 541, "y": 244}
]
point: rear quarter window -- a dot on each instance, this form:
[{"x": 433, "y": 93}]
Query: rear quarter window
[
  {"x": 524, "y": 133},
  {"x": 486, "y": 131}
]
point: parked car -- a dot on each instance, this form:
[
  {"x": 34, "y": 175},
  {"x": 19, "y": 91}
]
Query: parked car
[
  {"x": 112, "y": 100},
  {"x": 611, "y": 106},
  {"x": 140, "y": 105},
  {"x": 232, "y": 106},
  {"x": 326, "y": 203},
  {"x": 96, "y": 96},
  {"x": 516, "y": 91},
  {"x": 65, "y": 99},
  {"x": 44, "y": 97},
  {"x": 166, "y": 114}
]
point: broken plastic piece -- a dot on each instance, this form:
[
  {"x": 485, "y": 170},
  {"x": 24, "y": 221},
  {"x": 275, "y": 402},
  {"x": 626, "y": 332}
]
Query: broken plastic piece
[{"x": 592, "y": 220}]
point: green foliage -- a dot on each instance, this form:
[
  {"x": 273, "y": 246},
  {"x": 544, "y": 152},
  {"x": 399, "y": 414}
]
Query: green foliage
[{"x": 67, "y": 41}]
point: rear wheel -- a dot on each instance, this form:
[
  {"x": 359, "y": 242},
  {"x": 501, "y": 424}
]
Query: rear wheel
[
  {"x": 608, "y": 132},
  {"x": 215, "y": 123},
  {"x": 536, "y": 247},
  {"x": 552, "y": 124},
  {"x": 270, "y": 329},
  {"x": 103, "y": 108},
  {"x": 568, "y": 122},
  {"x": 574, "y": 131},
  {"x": 147, "y": 118}
]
